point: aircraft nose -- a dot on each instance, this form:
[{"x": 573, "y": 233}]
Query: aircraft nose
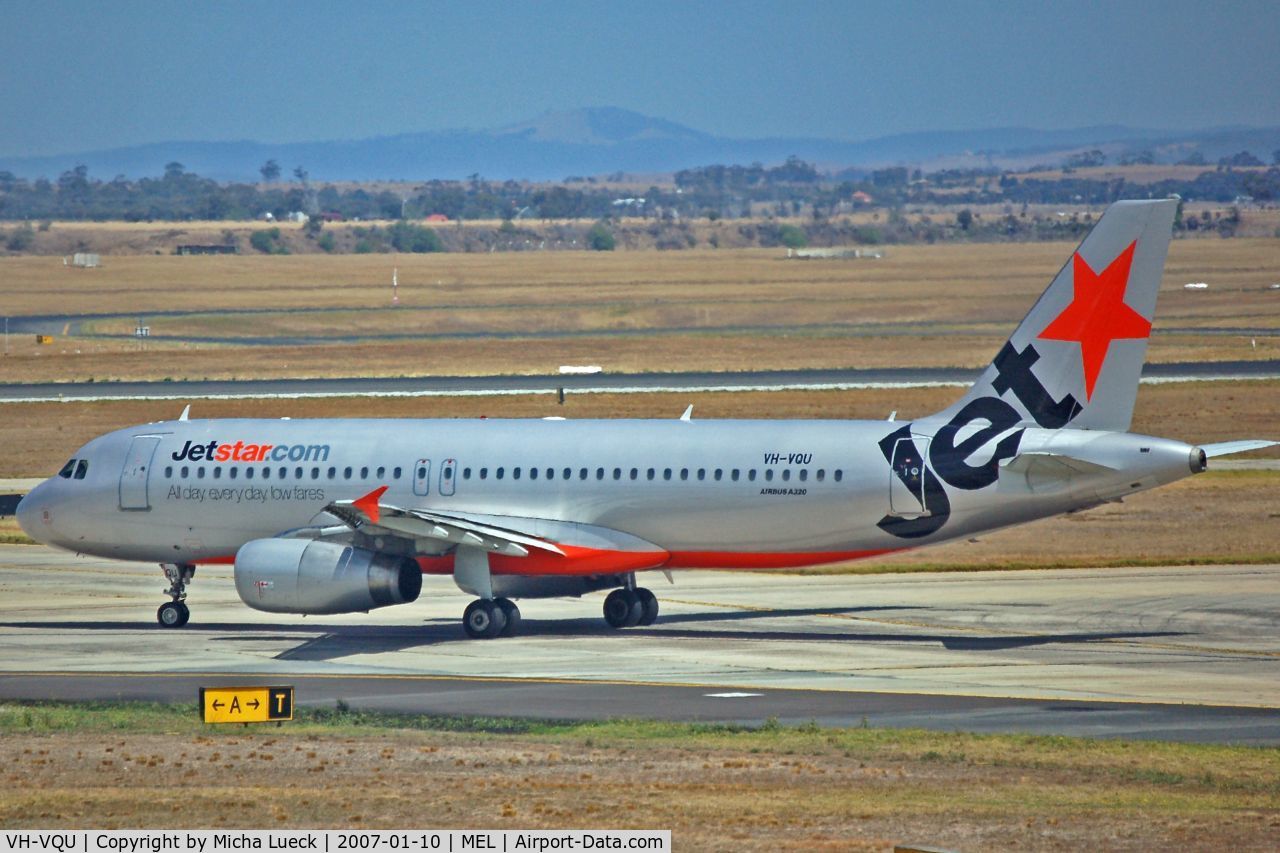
[{"x": 29, "y": 516}]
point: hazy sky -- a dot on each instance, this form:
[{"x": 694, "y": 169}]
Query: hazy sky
[{"x": 82, "y": 75}]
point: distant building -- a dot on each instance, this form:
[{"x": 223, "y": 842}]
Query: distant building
[
  {"x": 437, "y": 217},
  {"x": 205, "y": 249},
  {"x": 862, "y": 198}
]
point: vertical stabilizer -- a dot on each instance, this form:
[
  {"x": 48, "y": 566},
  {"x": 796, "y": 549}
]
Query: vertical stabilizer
[{"x": 1077, "y": 356}]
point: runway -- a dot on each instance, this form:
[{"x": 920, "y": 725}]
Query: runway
[
  {"x": 1172, "y": 653},
  {"x": 426, "y": 386}
]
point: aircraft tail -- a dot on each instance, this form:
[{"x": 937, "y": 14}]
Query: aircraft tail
[{"x": 1077, "y": 356}]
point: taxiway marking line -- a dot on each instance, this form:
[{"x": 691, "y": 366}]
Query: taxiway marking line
[{"x": 587, "y": 682}]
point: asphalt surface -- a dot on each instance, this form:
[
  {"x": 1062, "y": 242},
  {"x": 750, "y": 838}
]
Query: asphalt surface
[
  {"x": 575, "y": 383},
  {"x": 1190, "y": 654}
]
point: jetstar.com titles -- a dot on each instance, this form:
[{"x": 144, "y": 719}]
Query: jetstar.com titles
[{"x": 243, "y": 451}]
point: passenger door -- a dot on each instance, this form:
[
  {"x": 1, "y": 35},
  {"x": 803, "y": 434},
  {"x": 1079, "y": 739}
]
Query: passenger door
[{"x": 136, "y": 472}]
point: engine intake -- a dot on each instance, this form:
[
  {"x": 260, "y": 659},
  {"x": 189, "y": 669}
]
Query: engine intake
[{"x": 309, "y": 576}]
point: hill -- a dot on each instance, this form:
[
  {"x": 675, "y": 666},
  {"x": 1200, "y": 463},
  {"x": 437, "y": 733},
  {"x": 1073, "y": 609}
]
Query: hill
[{"x": 607, "y": 140}]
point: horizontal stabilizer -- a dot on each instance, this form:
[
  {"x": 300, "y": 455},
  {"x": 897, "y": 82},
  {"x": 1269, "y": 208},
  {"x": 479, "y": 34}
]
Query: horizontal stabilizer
[
  {"x": 1226, "y": 448},
  {"x": 1043, "y": 471}
]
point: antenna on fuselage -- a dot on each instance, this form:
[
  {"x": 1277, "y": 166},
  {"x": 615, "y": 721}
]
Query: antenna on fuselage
[
  {"x": 186, "y": 413},
  {"x": 688, "y": 413}
]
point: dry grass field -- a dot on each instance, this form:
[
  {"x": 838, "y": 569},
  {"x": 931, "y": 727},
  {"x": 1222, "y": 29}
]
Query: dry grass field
[
  {"x": 714, "y": 787},
  {"x": 948, "y": 305}
]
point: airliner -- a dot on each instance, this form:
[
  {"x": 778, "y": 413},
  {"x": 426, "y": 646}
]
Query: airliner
[{"x": 346, "y": 515}]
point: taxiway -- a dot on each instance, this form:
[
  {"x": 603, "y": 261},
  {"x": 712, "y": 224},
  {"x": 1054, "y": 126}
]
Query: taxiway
[{"x": 1187, "y": 653}]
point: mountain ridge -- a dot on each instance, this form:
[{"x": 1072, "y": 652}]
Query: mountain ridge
[{"x": 606, "y": 140}]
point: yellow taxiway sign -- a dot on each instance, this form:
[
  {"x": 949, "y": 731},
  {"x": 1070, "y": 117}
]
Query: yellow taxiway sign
[{"x": 246, "y": 704}]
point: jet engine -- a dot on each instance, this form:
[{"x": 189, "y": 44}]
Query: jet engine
[{"x": 311, "y": 576}]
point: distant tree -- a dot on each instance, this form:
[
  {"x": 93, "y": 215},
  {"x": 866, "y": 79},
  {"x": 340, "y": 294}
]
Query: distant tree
[
  {"x": 600, "y": 238},
  {"x": 1241, "y": 158},
  {"x": 300, "y": 174},
  {"x": 270, "y": 171},
  {"x": 173, "y": 169},
  {"x": 1195, "y": 158},
  {"x": 326, "y": 241},
  {"x": 313, "y": 226},
  {"x": 793, "y": 237},
  {"x": 964, "y": 219}
]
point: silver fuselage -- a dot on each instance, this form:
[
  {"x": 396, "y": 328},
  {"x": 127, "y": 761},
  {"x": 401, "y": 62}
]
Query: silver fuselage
[{"x": 708, "y": 492}]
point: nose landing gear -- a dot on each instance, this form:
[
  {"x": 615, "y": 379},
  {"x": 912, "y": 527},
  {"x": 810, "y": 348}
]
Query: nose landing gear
[{"x": 175, "y": 613}]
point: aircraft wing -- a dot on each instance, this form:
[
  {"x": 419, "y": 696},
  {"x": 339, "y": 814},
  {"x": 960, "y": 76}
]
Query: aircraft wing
[
  {"x": 570, "y": 547},
  {"x": 369, "y": 515}
]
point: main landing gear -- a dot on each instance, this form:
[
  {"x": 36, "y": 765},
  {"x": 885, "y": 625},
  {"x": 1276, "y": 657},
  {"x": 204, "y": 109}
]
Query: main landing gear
[
  {"x": 630, "y": 606},
  {"x": 485, "y": 619},
  {"x": 175, "y": 613}
]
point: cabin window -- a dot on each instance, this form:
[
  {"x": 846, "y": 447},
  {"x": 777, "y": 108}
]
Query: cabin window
[
  {"x": 382, "y": 471},
  {"x": 666, "y": 473},
  {"x": 484, "y": 473},
  {"x": 751, "y": 475},
  {"x": 315, "y": 473},
  {"x": 498, "y": 473},
  {"x": 786, "y": 474},
  {"x": 515, "y": 473},
  {"x": 283, "y": 472},
  {"x": 168, "y": 471},
  {"x": 248, "y": 473},
  {"x": 200, "y": 473},
  {"x": 599, "y": 473},
  {"x": 822, "y": 474},
  {"x": 684, "y": 473},
  {"x": 217, "y": 473},
  {"x": 186, "y": 472},
  {"x": 719, "y": 474},
  {"x": 702, "y": 473},
  {"x": 804, "y": 474},
  {"x": 649, "y": 474},
  {"x": 533, "y": 473},
  {"x": 568, "y": 473},
  {"x": 364, "y": 473},
  {"x": 232, "y": 473},
  {"x": 734, "y": 476},
  {"x": 617, "y": 473},
  {"x": 395, "y": 473},
  {"x": 635, "y": 473},
  {"x": 582, "y": 473},
  {"x": 768, "y": 474},
  {"x": 346, "y": 473},
  {"x": 466, "y": 474},
  {"x": 839, "y": 475}
]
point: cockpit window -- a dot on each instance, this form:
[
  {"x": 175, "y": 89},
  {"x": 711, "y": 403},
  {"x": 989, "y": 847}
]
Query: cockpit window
[
  {"x": 65, "y": 473},
  {"x": 82, "y": 468}
]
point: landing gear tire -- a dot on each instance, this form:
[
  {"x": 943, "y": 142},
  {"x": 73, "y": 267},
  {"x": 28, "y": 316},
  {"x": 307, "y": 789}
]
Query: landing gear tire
[
  {"x": 512, "y": 613},
  {"x": 622, "y": 609},
  {"x": 648, "y": 606},
  {"x": 484, "y": 620},
  {"x": 173, "y": 614}
]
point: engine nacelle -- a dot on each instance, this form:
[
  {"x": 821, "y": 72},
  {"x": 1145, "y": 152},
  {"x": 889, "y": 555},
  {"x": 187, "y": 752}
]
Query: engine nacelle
[{"x": 311, "y": 576}]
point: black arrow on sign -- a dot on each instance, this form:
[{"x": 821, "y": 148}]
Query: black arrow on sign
[
  {"x": 254, "y": 704},
  {"x": 217, "y": 706}
]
